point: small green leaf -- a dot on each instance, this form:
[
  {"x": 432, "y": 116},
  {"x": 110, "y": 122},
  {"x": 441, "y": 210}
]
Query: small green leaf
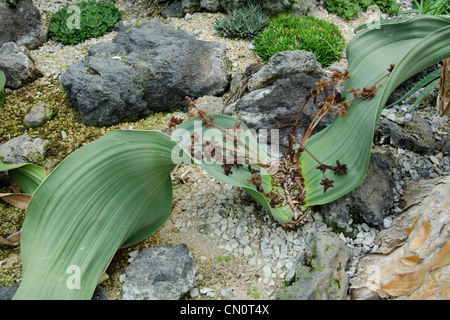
[
  {"x": 429, "y": 78},
  {"x": 27, "y": 177}
]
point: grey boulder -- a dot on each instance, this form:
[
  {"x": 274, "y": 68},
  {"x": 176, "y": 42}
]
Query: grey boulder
[
  {"x": 416, "y": 135},
  {"x": 24, "y": 149},
  {"x": 18, "y": 66},
  {"x": 284, "y": 64},
  {"x": 160, "y": 273},
  {"x": 104, "y": 91}
]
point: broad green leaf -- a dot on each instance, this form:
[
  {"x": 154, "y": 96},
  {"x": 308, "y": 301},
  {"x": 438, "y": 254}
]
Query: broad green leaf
[
  {"x": 412, "y": 45},
  {"x": 111, "y": 193}
]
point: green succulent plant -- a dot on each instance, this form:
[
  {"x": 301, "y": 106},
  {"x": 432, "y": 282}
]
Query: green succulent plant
[{"x": 84, "y": 20}]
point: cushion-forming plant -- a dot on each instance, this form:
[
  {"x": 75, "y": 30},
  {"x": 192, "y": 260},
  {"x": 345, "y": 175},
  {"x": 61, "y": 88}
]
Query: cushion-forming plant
[{"x": 308, "y": 33}]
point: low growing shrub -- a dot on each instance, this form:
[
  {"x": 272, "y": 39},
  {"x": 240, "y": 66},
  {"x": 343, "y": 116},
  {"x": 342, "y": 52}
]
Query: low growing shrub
[
  {"x": 78, "y": 22},
  {"x": 301, "y": 33},
  {"x": 350, "y": 8},
  {"x": 242, "y": 22}
]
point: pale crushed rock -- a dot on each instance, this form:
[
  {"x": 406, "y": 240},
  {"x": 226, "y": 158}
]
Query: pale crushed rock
[
  {"x": 201, "y": 24},
  {"x": 239, "y": 248}
]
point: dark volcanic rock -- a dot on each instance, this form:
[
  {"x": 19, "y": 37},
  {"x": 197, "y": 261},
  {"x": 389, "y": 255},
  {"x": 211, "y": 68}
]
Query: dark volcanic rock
[
  {"x": 151, "y": 67},
  {"x": 21, "y": 24}
]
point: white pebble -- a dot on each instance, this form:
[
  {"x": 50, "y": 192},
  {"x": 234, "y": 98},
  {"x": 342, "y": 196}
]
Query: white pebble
[
  {"x": 387, "y": 222},
  {"x": 194, "y": 293}
]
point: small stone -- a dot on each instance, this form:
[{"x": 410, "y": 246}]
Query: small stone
[
  {"x": 226, "y": 292},
  {"x": 387, "y": 222},
  {"x": 434, "y": 159},
  {"x": 391, "y": 117},
  {"x": 289, "y": 265},
  {"x": 133, "y": 254},
  {"x": 205, "y": 290},
  {"x": 267, "y": 271},
  {"x": 244, "y": 241},
  {"x": 367, "y": 242},
  {"x": 408, "y": 117},
  {"x": 317, "y": 216},
  {"x": 248, "y": 251},
  {"x": 267, "y": 252},
  {"x": 365, "y": 227},
  {"x": 280, "y": 264},
  {"x": 357, "y": 251},
  {"x": 38, "y": 114}
]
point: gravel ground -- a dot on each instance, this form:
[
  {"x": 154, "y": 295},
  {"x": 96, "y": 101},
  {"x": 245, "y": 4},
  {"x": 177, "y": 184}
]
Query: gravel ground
[{"x": 241, "y": 252}]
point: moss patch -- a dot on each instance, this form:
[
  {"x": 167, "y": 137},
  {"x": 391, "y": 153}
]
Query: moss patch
[{"x": 65, "y": 131}]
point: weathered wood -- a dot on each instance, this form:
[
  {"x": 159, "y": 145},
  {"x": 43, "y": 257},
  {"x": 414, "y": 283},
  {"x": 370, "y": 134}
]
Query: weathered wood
[{"x": 444, "y": 89}]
